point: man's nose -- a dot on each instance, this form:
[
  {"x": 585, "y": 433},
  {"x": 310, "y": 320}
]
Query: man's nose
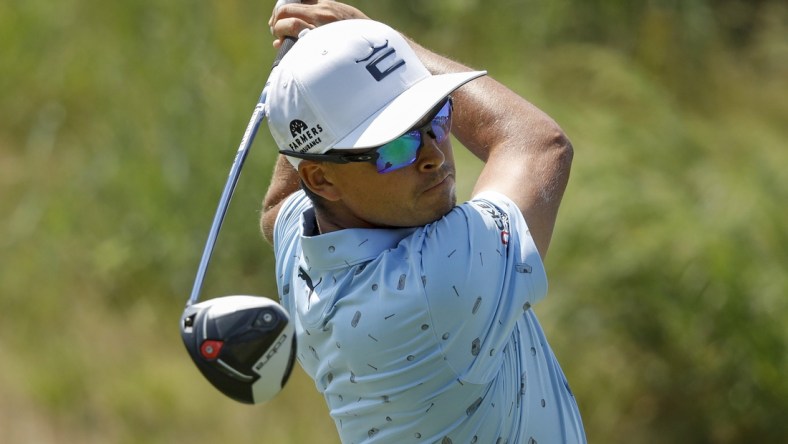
[{"x": 431, "y": 155}]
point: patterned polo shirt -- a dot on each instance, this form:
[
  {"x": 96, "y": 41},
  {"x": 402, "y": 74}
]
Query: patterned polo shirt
[{"x": 426, "y": 334}]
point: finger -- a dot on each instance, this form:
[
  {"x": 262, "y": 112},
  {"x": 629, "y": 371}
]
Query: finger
[
  {"x": 291, "y": 18},
  {"x": 284, "y": 3},
  {"x": 306, "y": 10},
  {"x": 290, "y": 27}
]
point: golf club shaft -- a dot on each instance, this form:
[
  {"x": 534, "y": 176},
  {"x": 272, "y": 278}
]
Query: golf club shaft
[{"x": 232, "y": 179}]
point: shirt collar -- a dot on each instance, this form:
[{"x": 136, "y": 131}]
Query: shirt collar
[{"x": 348, "y": 247}]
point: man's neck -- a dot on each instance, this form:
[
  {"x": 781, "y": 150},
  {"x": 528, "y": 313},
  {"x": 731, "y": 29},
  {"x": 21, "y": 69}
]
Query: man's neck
[{"x": 326, "y": 223}]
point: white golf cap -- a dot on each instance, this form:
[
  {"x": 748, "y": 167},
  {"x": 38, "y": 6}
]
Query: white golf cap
[{"x": 351, "y": 84}]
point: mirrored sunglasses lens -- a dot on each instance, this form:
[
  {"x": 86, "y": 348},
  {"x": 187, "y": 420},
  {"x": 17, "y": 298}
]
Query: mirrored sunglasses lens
[
  {"x": 441, "y": 123},
  {"x": 398, "y": 153}
]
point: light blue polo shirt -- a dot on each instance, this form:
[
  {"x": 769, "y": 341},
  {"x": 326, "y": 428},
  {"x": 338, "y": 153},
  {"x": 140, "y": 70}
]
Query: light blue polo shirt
[{"x": 426, "y": 334}]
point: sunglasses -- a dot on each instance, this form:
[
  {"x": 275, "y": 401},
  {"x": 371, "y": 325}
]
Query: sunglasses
[{"x": 398, "y": 153}]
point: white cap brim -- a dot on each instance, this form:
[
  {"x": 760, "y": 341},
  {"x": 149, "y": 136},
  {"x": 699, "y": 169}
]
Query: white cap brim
[{"x": 399, "y": 115}]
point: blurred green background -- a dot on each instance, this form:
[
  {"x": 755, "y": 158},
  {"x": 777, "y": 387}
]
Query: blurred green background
[{"x": 668, "y": 306}]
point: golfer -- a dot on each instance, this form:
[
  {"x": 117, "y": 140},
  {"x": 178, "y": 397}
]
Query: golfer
[{"x": 414, "y": 315}]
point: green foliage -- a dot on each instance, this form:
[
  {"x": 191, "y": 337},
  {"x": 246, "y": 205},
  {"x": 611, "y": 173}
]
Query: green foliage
[{"x": 668, "y": 284}]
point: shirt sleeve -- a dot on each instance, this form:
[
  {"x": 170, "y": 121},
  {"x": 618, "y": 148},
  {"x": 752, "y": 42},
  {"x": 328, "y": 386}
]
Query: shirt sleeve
[{"x": 482, "y": 271}]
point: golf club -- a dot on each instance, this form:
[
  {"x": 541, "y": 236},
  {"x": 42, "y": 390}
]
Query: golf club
[{"x": 244, "y": 345}]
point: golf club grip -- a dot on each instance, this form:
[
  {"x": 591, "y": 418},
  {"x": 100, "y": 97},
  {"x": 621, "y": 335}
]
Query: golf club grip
[
  {"x": 286, "y": 45},
  {"x": 288, "y": 42}
]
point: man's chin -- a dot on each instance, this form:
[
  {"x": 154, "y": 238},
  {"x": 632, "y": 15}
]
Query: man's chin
[{"x": 441, "y": 210}]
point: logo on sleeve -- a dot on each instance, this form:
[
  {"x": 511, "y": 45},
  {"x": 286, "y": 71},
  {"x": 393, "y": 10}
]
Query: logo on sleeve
[{"x": 500, "y": 218}]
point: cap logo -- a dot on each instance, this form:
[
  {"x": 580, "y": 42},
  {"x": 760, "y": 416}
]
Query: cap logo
[
  {"x": 378, "y": 72},
  {"x": 297, "y": 127},
  {"x": 304, "y": 137}
]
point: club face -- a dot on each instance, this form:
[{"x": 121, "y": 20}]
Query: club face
[{"x": 243, "y": 345}]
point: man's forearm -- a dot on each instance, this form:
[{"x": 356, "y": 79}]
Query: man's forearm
[
  {"x": 284, "y": 182},
  {"x": 491, "y": 111},
  {"x": 526, "y": 154}
]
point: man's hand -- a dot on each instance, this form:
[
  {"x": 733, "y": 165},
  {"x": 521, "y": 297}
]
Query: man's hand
[{"x": 290, "y": 19}]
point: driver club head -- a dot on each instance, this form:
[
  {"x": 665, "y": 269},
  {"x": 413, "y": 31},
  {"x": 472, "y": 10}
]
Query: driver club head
[{"x": 244, "y": 345}]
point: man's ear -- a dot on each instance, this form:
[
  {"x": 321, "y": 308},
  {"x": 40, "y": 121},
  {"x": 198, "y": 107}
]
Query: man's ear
[{"x": 315, "y": 177}]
